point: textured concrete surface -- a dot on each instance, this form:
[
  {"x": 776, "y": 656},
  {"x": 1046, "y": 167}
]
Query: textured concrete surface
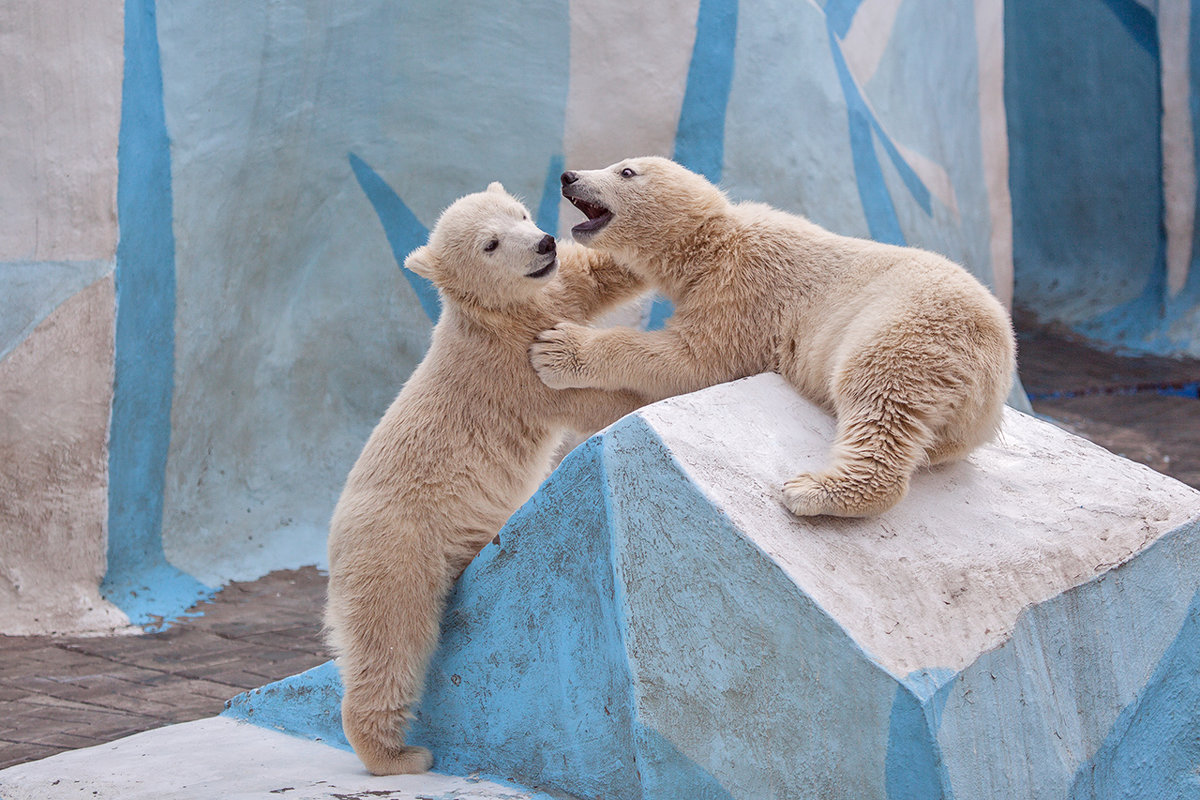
[
  {"x": 56, "y": 392},
  {"x": 60, "y": 98},
  {"x": 222, "y": 758},
  {"x": 1103, "y": 165}
]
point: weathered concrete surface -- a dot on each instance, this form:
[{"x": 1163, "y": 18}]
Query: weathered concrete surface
[
  {"x": 1026, "y": 624},
  {"x": 56, "y": 392},
  {"x": 222, "y": 758},
  {"x": 60, "y": 98}
]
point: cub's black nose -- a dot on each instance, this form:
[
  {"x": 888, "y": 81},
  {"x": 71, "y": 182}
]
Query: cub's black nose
[
  {"x": 569, "y": 177},
  {"x": 546, "y": 245}
]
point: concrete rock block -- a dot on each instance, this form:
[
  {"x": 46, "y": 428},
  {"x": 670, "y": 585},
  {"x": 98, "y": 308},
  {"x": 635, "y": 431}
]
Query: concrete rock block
[{"x": 654, "y": 624}]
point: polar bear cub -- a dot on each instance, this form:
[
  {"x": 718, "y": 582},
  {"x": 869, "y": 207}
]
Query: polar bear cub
[
  {"x": 912, "y": 354},
  {"x": 464, "y": 444}
]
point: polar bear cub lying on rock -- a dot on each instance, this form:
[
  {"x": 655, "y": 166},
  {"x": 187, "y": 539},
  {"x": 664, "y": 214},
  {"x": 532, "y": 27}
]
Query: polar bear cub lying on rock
[
  {"x": 912, "y": 354},
  {"x": 467, "y": 441}
]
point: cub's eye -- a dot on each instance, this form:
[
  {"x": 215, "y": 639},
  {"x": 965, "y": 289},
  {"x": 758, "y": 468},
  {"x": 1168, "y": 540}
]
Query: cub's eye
[
  {"x": 525, "y": 217},
  {"x": 492, "y": 245},
  {"x": 627, "y": 173}
]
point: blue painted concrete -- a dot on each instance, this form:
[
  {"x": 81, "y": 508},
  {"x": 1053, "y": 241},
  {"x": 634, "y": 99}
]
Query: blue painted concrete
[
  {"x": 787, "y": 138},
  {"x": 1153, "y": 749},
  {"x": 294, "y": 329},
  {"x": 308, "y": 705},
  {"x": 558, "y": 707},
  {"x": 1194, "y": 102},
  {"x": 139, "y": 580},
  {"x": 1072, "y": 675},
  {"x": 558, "y": 668},
  {"x": 840, "y": 14},
  {"x": 876, "y": 201},
  {"x": 1086, "y": 166},
  {"x": 547, "y": 211},
  {"x": 31, "y": 290},
  {"x": 755, "y": 699},
  {"x": 404, "y": 231},
  {"x": 864, "y": 129},
  {"x": 661, "y": 310},
  {"x": 907, "y": 93},
  {"x": 700, "y": 136},
  {"x": 1138, "y": 21},
  {"x": 915, "y": 767}
]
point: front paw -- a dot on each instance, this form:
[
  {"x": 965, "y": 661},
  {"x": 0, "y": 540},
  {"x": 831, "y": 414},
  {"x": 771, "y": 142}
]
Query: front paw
[{"x": 556, "y": 356}]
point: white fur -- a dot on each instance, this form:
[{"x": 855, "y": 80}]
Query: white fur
[
  {"x": 912, "y": 353},
  {"x": 467, "y": 441}
]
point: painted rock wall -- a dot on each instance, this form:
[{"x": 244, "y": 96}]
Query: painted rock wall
[
  {"x": 277, "y": 161},
  {"x": 58, "y": 240},
  {"x": 1023, "y": 625},
  {"x": 1103, "y": 105}
]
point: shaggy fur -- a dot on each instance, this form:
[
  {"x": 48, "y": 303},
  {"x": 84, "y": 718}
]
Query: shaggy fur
[
  {"x": 912, "y": 354},
  {"x": 464, "y": 444}
]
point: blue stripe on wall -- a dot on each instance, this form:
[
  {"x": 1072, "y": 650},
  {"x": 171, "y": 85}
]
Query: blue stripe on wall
[
  {"x": 1139, "y": 21},
  {"x": 138, "y": 579},
  {"x": 547, "y": 213},
  {"x": 700, "y": 136},
  {"x": 839, "y": 14},
  {"x": 916, "y": 188},
  {"x": 872, "y": 189},
  {"x": 404, "y": 231}
]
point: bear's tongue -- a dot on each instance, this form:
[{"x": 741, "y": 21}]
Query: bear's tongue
[{"x": 597, "y": 216}]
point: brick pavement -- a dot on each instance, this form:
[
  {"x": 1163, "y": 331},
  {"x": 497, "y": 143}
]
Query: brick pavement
[
  {"x": 1149, "y": 426},
  {"x": 59, "y": 693}
]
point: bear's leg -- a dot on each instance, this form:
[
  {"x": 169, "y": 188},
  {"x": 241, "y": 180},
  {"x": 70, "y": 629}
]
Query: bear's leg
[
  {"x": 875, "y": 453},
  {"x": 975, "y": 424},
  {"x": 376, "y": 738},
  {"x": 384, "y": 623}
]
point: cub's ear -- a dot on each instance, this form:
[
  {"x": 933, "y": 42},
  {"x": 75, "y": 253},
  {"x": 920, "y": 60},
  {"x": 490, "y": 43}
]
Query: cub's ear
[
  {"x": 495, "y": 186},
  {"x": 422, "y": 262}
]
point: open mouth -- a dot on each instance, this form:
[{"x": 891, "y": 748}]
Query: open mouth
[
  {"x": 597, "y": 217},
  {"x": 544, "y": 271}
]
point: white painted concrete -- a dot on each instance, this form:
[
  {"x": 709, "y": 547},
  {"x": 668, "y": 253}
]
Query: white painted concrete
[
  {"x": 55, "y": 402},
  {"x": 942, "y": 577},
  {"x": 628, "y": 74},
  {"x": 867, "y": 37},
  {"x": 221, "y": 758},
  {"x": 60, "y": 99},
  {"x": 993, "y": 134},
  {"x": 1178, "y": 140}
]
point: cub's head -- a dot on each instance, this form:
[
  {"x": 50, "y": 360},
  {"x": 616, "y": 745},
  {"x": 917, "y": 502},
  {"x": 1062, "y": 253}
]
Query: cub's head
[
  {"x": 639, "y": 203},
  {"x": 484, "y": 248}
]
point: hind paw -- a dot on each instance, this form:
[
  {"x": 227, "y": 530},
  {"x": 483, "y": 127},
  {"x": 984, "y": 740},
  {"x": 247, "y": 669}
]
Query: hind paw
[
  {"x": 403, "y": 760},
  {"x": 810, "y": 495},
  {"x": 804, "y": 496}
]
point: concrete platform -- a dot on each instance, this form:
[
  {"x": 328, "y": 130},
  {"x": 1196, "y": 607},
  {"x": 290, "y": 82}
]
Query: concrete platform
[{"x": 220, "y": 758}]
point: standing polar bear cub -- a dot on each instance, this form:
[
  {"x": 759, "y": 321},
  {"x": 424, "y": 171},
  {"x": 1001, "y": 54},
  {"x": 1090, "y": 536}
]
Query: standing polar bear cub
[
  {"x": 467, "y": 441},
  {"x": 912, "y": 354}
]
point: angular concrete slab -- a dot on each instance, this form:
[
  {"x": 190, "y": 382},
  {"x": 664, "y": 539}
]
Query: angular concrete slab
[
  {"x": 1026, "y": 624},
  {"x": 222, "y": 758}
]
